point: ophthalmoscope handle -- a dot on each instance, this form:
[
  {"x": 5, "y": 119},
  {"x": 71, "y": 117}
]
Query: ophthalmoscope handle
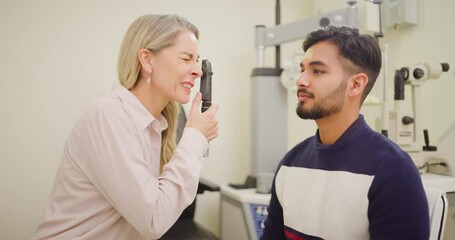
[{"x": 206, "y": 85}]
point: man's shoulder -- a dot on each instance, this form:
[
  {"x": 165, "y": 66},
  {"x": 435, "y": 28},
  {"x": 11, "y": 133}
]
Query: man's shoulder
[
  {"x": 381, "y": 146},
  {"x": 303, "y": 147}
]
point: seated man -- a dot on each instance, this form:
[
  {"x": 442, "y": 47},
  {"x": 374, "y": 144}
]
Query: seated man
[{"x": 347, "y": 181}]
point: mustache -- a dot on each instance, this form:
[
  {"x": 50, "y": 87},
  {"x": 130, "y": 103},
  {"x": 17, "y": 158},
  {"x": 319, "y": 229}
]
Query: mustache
[{"x": 304, "y": 91}]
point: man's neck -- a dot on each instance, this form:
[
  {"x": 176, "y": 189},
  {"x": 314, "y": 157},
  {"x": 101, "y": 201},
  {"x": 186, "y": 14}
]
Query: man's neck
[{"x": 332, "y": 127}]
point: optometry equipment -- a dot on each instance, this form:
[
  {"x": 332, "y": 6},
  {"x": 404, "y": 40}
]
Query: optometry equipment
[
  {"x": 206, "y": 85},
  {"x": 405, "y": 125},
  {"x": 206, "y": 88}
]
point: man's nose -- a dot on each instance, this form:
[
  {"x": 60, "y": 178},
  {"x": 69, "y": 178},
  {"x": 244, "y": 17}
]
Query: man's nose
[{"x": 302, "y": 80}]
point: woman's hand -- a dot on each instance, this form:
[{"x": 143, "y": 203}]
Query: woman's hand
[{"x": 205, "y": 122}]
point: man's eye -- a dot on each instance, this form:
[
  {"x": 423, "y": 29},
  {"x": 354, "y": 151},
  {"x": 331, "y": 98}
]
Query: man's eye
[{"x": 316, "y": 71}]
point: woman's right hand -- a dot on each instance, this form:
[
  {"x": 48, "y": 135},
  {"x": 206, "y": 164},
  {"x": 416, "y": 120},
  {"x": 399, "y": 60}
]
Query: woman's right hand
[{"x": 205, "y": 122}]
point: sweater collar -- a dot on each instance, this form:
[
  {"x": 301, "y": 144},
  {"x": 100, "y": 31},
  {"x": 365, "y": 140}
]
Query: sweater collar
[{"x": 347, "y": 136}]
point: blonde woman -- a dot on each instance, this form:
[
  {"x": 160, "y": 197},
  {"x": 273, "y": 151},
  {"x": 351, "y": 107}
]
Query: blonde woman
[{"x": 122, "y": 175}]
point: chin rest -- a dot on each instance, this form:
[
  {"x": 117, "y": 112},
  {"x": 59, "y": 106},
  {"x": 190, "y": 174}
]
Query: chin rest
[{"x": 186, "y": 228}]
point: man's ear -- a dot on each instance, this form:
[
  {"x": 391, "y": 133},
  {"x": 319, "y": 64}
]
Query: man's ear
[
  {"x": 145, "y": 56},
  {"x": 358, "y": 84}
]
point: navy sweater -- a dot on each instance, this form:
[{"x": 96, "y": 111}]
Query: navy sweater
[{"x": 361, "y": 187}]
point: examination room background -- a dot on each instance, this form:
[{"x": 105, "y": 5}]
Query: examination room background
[{"x": 56, "y": 56}]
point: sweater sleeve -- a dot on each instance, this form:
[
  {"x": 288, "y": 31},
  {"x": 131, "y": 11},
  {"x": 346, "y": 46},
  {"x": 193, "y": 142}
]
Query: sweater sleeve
[
  {"x": 398, "y": 208},
  {"x": 274, "y": 224}
]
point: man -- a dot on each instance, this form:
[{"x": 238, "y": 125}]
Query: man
[{"x": 347, "y": 181}]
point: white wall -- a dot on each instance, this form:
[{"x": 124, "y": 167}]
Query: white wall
[{"x": 56, "y": 56}]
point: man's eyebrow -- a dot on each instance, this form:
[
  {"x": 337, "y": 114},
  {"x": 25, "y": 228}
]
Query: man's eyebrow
[
  {"x": 318, "y": 63},
  {"x": 314, "y": 63}
]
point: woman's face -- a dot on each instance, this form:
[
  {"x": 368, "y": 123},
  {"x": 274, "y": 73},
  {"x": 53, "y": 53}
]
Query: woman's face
[{"x": 175, "y": 68}]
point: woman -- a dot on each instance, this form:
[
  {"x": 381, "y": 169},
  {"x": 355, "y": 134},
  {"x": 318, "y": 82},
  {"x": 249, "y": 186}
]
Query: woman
[{"x": 121, "y": 176}]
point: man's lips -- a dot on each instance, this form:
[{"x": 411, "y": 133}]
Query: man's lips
[{"x": 304, "y": 95}]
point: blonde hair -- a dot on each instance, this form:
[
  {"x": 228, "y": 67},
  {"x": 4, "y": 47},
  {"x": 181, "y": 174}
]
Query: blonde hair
[{"x": 153, "y": 32}]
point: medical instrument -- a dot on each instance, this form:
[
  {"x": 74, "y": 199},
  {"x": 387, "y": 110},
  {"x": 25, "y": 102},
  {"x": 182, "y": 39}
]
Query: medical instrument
[
  {"x": 243, "y": 213},
  {"x": 406, "y": 124},
  {"x": 206, "y": 85},
  {"x": 206, "y": 88}
]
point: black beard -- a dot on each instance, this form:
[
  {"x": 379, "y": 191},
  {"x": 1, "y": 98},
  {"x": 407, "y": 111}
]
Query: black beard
[
  {"x": 315, "y": 113},
  {"x": 331, "y": 104}
]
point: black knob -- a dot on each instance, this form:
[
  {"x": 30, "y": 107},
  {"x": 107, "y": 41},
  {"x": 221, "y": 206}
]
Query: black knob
[
  {"x": 418, "y": 73},
  {"x": 445, "y": 67},
  {"x": 407, "y": 120},
  {"x": 324, "y": 22},
  {"x": 405, "y": 72}
]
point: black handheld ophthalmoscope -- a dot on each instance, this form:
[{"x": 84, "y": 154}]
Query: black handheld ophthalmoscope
[
  {"x": 206, "y": 88},
  {"x": 206, "y": 85}
]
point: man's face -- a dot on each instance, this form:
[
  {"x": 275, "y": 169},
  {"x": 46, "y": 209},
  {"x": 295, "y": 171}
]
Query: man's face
[{"x": 321, "y": 87}]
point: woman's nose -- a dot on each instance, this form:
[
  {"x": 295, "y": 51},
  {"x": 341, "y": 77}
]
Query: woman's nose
[{"x": 196, "y": 70}]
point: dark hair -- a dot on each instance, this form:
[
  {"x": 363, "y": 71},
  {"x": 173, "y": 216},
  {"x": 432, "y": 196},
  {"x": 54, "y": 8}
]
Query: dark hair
[{"x": 361, "y": 49}]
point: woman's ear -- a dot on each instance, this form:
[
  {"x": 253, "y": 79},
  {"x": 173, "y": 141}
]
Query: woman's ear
[
  {"x": 358, "y": 83},
  {"x": 145, "y": 57}
]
